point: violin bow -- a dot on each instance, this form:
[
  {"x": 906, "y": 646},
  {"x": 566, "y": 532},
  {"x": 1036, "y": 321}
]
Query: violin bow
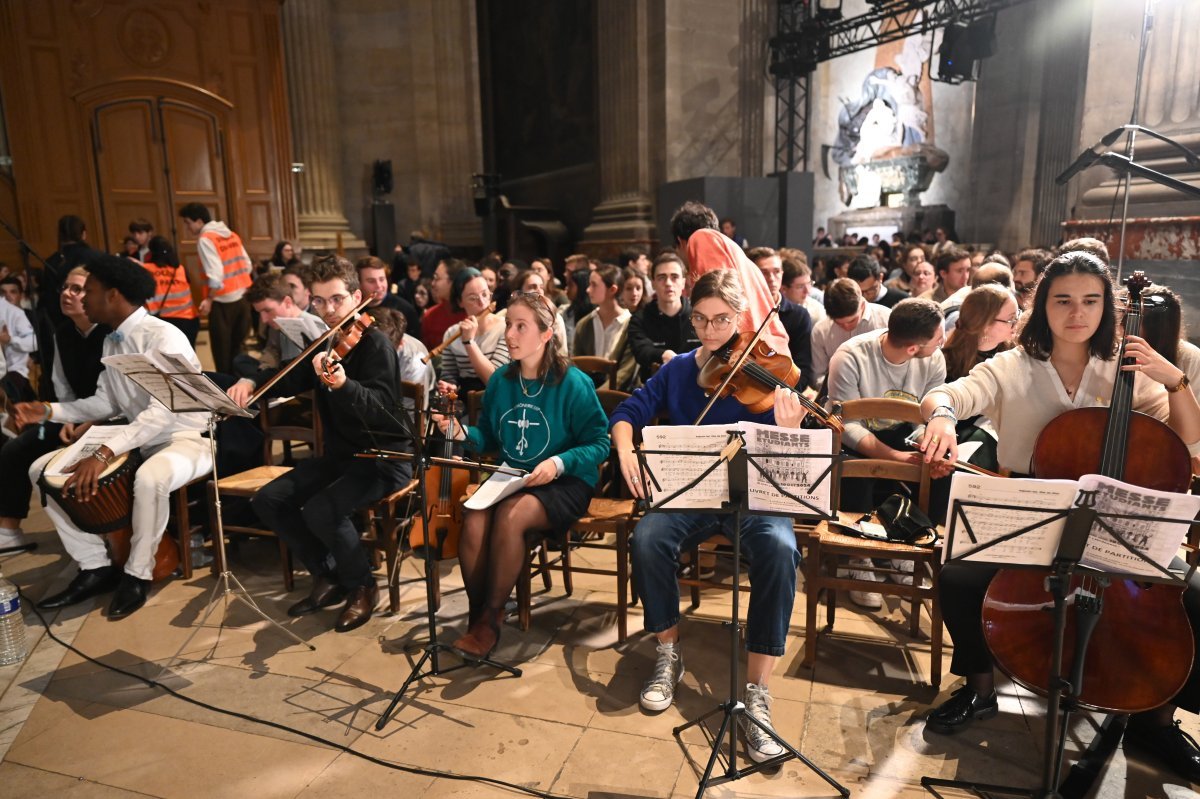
[
  {"x": 309, "y": 350},
  {"x": 737, "y": 365}
]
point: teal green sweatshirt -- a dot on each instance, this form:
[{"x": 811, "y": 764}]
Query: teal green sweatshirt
[{"x": 563, "y": 419}]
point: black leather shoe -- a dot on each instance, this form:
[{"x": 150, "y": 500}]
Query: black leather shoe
[
  {"x": 359, "y": 609},
  {"x": 1168, "y": 745},
  {"x": 131, "y": 595},
  {"x": 87, "y": 584},
  {"x": 325, "y": 592},
  {"x": 957, "y": 712}
]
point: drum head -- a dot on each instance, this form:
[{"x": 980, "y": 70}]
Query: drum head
[{"x": 57, "y": 461}]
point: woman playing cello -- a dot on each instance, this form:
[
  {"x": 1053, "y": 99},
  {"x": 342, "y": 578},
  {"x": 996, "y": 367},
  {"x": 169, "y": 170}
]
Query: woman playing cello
[{"x": 1064, "y": 361}]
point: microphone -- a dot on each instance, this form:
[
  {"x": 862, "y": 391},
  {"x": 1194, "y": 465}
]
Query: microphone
[{"x": 1089, "y": 156}]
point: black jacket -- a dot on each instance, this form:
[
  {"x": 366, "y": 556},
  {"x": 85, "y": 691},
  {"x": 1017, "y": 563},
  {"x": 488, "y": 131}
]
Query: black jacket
[
  {"x": 651, "y": 333},
  {"x": 798, "y": 324}
]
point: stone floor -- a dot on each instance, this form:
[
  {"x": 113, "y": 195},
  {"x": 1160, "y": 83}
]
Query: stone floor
[{"x": 570, "y": 725}]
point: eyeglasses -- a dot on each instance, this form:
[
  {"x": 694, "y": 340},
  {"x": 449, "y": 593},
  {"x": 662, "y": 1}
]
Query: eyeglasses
[
  {"x": 482, "y": 296},
  {"x": 333, "y": 302},
  {"x": 71, "y": 288},
  {"x": 719, "y": 323},
  {"x": 1012, "y": 323},
  {"x": 668, "y": 277}
]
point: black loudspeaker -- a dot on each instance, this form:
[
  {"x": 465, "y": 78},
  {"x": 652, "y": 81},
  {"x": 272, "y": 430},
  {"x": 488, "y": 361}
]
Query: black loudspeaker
[
  {"x": 383, "y": 229},
  {"x": 956, "y": 59},
  {"x": 381, "y": 178}
]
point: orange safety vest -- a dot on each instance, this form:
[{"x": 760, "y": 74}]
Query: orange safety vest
[
  {"x": 235, "y": 262},
  {"x": 172, "y": 292}
]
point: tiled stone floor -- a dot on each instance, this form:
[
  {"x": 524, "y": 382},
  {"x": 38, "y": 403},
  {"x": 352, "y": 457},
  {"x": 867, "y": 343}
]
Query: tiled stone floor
[{"x": 569, "y": 725}]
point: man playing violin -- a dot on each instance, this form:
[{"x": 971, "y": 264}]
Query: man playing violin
[
  {"x": 309, "y": 507},
  {"x": 1064, "y": 361},
  {"x": 769, "y": 541},
  {"x": 115, "y": 293}
]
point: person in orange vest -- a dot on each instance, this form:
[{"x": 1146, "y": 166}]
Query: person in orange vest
[
  {"x": 172, "y": 300},
  {"x": 229, "y": 272}
]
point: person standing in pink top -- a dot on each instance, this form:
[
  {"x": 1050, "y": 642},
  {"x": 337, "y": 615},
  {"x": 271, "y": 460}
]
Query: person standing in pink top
[{"x": 698, "y": 239}]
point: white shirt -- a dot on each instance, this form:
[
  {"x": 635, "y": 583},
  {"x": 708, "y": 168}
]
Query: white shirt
[
  {"x": 827, "y": 337},
  {"x": 414, "y": 366},
  {"x": 151, "y": 422},
  {"x": 606, "y": 337},
  {"x": 16, "y": 351}
]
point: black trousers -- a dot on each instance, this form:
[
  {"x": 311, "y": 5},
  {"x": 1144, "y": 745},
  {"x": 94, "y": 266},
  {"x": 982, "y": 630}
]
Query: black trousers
[
  {"x": 309, "y": 508},
  {"x": 16, "y": 456},
  {"x": 228, "y": 325},
  {"x": 961, "y": 589}
]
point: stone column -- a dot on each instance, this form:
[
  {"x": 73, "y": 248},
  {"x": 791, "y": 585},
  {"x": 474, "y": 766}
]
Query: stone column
[
  {"x": 629, "y": 171},
  {"x": 308, "y": 50}
]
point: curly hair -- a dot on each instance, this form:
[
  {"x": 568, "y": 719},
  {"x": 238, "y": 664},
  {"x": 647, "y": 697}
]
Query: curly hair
[
  {"x": 325, "y": 268},
  {"x": 132, "y": 281}
]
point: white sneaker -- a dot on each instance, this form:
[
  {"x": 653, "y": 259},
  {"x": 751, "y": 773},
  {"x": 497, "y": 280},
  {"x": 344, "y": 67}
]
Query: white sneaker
[
  {"x": 12, "y": 538},
  {"x": 864, "y": 599},
  {"x": 659, "y": 691},
  {"x": 904, "y": 572},
  {"x": 762, "y": 747}
]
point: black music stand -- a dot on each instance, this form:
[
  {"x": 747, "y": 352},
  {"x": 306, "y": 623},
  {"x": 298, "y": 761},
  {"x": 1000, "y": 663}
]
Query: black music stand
[
  {"x": 1062, "y": 702},
  {"x": 737, "y": 461},
  {"x": 431, "y": 650},
  {"x": 183, "y": 390}
]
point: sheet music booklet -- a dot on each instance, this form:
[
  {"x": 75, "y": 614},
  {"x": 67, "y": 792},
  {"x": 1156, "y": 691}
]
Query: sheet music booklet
[
  {"x": 173, "y": 380},
  {"x": 808, "y": 479},
  {"x": 973, "y": 526}
]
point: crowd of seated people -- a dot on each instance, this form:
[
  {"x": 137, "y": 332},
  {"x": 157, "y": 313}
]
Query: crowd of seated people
[{"x": 951, "y": 328}]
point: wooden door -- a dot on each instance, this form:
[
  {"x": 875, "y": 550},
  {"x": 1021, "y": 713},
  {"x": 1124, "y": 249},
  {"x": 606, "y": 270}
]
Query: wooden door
[
  {"x": 130, "y": 171},
  {"x": 153, "y": 156}
]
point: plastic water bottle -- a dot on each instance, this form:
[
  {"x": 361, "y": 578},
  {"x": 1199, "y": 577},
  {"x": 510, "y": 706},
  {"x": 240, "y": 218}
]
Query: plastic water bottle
[{"x": 12, "y": 625}]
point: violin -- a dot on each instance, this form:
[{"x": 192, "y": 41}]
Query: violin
[
  {"x": 749, "y": 370},
  {"x": 434, "y": 533},
  {"x": 1140, "y": 653},
  {"x": 348, "y": 337},
  {"x": 436, "y": 351}
]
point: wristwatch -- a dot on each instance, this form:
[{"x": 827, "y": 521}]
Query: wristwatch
[
  {"x": 1183, "y": 383},
  {"x": 468, "y": 342}
]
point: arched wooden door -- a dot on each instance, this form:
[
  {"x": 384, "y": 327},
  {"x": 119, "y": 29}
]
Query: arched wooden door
[{"x": 152, "y": 157}]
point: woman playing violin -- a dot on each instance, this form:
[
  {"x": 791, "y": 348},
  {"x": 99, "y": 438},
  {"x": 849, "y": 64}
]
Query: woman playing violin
[
  {"x": 542, "y": 415},
  {"x": 1065, "y": 360},
  {"x": 769, "y": 541},
  {"x": 477, "y": 345}
]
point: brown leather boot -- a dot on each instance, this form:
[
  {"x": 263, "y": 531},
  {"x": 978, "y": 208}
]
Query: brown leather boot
[
  {"x": 358, "y": 610},
  {"x": 325, "y": 592}
]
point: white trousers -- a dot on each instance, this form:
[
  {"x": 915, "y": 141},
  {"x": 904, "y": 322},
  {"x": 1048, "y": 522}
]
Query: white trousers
[{"x": 165, "y": 468}]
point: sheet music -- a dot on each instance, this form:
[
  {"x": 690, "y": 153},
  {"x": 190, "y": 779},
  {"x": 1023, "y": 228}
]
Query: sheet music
[
  {"x": 673, "y": 472},
  {"x": 299, "y": 332},
  {"x": 794, "y": 475},
  {"x": 1035, "y": 547},
  {"x": 496, "y": 487},
  {"x": 95, "y": 437},
  {"x": 181, "y": 389},
  {"x": 1156, "y": 540}
]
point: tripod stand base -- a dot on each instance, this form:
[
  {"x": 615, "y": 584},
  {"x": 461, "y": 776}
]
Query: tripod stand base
[
  {"x": 229, "y": 588},
  {"x": 431, "y": 652},
  {"x": 731, "y": 712}
]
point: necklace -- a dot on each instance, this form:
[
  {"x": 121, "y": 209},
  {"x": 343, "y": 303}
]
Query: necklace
[{"x": 525, "y": 391}]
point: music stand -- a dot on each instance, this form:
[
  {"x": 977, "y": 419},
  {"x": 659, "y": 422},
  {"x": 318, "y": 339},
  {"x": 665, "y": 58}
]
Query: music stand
[
  {"x": 1062, "y": 701},
  {"x": 171, "y": 380},
  {"x": 431, "y": 651},
  {"x": 737, "y": 461}
]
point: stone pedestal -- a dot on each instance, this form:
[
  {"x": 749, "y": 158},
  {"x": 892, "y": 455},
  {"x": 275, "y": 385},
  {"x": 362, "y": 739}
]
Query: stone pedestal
[
  {"x": 884, "y": 220},
  {"x": 308, "y": 49}
]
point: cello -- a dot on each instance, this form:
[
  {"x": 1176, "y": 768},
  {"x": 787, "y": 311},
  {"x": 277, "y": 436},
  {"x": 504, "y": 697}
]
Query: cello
[
  {"x": 1140, "y": 652},
  {"x": 434, "y": 533}
]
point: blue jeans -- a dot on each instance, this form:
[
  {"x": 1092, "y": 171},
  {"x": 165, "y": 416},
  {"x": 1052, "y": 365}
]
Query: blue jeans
[{"x": 768, "y": 546}]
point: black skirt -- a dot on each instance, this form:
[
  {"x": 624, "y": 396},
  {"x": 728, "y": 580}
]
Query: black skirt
[{"x": 566, "y": 500}]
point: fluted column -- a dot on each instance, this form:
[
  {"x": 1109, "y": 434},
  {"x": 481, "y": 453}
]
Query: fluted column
[
  {"x": 308, "y": 50},
  {"x": 628, "y": 172}
]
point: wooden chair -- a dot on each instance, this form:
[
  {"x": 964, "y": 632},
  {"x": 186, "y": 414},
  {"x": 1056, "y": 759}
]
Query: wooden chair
[
  {"x": 827, "y": 547},
  {"x": 289, "y": 434},
  {"x": 246, "y": 484},
  {"x": 610, "y": 513},
  {"x": 603, "y": 371}
]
